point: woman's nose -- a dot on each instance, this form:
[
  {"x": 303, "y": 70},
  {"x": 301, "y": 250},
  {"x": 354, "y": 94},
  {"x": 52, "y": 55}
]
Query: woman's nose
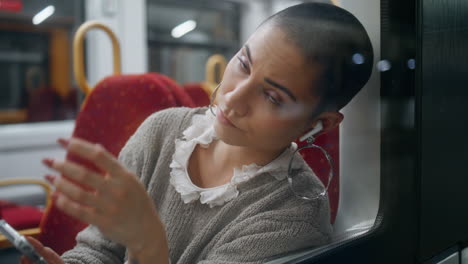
[{"x": 238, "y": 99}]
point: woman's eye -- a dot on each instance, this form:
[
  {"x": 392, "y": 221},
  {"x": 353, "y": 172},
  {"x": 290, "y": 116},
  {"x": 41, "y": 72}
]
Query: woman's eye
[
  {"x": 243, "y": 65},
  {"x": 272, "y": 99}
]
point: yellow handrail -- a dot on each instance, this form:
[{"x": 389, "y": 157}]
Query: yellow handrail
[
  {"x": 24, "y": 181},
  {"x": 78, "y": 58},
  {"x": 211, "y": 75},
  {"x": 4, "y": 243}
]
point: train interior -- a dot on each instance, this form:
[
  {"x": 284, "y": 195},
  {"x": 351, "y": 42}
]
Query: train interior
[{"x": 40, "y": 97}]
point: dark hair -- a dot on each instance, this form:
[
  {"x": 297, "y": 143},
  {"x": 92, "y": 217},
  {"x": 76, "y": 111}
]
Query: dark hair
[{"x": 337, "y": 41}]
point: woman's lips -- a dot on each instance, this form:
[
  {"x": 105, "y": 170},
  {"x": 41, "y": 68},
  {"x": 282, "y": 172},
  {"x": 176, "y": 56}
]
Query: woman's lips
[{"x": 223, "y": 119}]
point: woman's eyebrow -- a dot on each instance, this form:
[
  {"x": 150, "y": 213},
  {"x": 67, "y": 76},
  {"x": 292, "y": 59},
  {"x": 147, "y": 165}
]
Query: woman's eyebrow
[
  {"x": 282, "y": 88},
  {"x": 269, "y": 81}
]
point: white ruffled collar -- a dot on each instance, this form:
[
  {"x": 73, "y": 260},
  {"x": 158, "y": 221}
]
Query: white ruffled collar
[{"x": 202, "y": 132}]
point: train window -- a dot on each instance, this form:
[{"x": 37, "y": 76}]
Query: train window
[
  {"x": 360, "y": 138},
  {"x": 464, "y": 258},
  {"x": 35, "y": 60},
  {"x": 182, "y": 35},
  {"x": 359, "y": 143}
]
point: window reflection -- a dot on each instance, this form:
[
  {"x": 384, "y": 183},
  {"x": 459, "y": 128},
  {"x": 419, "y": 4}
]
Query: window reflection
[
  {"x": 35, "y": 51},
  {"x": 208, "y": 27}
]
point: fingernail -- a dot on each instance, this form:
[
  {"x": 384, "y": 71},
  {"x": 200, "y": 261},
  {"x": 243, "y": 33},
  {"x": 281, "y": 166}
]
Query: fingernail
[
  {"x": 50, "y": 178},
  {"x": 63, "y": 142},
  {"x": 48, "y": 162}
]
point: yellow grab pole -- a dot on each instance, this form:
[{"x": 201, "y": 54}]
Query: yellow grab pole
[
  {"x": 78, "y": 57},
  {"x": 211, "y": 75}
]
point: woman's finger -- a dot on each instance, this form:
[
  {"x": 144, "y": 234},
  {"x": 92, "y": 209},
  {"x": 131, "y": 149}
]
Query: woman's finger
[
  {"x": 97, "y": 202},
  {"x": 47, "y": 253},
  {"x": 94, "y": 153},
  {"x": 76, "y": 172},
  {"x": 75, "y": 192},
  {"x": 36, "y": 244},
  {"x": 52, "y": 256},
  {"x": 77, "y": 210}
]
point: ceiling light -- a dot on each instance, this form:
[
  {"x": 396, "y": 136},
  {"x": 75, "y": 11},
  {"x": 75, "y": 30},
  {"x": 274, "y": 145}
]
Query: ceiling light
[
  {"x": 43, "y": 15},
  {"x": 183, "y": 28}
]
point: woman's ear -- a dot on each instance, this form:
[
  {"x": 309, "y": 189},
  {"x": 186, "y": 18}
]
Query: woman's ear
[{"x": 329, "y": 120}]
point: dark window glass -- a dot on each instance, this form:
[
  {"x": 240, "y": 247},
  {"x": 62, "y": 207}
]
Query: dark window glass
[
  {"x": 36, "y": 83},
  {"x": 212, "y": 27}
]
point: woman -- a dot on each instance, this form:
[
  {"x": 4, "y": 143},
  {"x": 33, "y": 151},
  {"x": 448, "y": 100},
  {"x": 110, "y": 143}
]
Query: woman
[{"x": 200, "y": 186}]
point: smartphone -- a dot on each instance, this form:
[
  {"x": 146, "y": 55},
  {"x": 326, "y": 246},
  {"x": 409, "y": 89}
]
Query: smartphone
[{"x": 20, "y": 243}]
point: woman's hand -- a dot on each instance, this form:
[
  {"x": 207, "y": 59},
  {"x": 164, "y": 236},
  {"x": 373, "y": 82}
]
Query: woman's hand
[
  {"x": 114, "y": 201},
  {"x": 47, "y": 253}
]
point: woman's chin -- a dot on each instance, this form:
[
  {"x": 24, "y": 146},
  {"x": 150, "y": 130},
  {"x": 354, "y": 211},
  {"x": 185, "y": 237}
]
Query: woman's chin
[{"x": 228, "y": 135}]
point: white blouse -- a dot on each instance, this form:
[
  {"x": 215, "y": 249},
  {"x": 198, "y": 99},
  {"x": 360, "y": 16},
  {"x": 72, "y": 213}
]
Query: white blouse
[{"x": 202, "y": 132}]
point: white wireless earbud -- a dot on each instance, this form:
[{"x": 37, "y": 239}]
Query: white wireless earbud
[{"x": 314, "y": 131}]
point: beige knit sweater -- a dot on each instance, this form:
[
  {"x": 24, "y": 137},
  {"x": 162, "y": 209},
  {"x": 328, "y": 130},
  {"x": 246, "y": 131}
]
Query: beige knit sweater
[{"x": 265, "y": 221}]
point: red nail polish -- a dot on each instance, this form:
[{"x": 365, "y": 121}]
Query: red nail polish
[
  {"x": 50, "y": 178},
  {"x": 63, "y": 142},
  {"x": 48, "y": 162}
]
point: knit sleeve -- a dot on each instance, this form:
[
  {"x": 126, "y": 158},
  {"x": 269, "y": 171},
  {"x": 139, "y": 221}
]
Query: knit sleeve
[
  {"x": 151, "y": 140},
  {"x": 273, "y": 234},
  {"x": 146, "y": 141},
  {"x": 92, "y": 246}
]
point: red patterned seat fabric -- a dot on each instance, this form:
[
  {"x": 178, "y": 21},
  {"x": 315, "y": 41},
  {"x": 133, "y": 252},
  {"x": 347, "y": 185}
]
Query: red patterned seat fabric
[
  {"x": 41, "y": 104},
  {"x": 198, "y": 95},
  {"x": 181, "y": 97},
  {"x": 20, "y": 216}
]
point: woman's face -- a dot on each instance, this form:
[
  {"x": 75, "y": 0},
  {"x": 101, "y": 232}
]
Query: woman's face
[{"x": 266, "y": 97}]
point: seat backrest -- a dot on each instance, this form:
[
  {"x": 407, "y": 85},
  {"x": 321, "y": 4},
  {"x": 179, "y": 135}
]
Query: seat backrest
[
  {"x": 182, "y": 98},
  {"x": 110, "y": 115},
  {"x": 197, "y": 93}
]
